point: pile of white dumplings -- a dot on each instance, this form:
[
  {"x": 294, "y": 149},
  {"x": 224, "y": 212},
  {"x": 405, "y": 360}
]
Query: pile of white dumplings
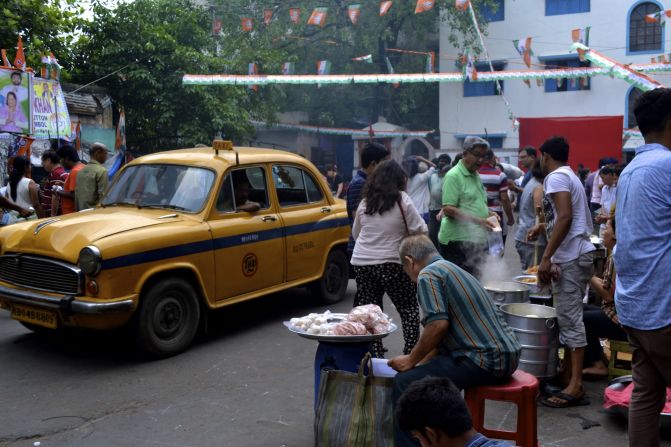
[{"x": 362, "y": 320}]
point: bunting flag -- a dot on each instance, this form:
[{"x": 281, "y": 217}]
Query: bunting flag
[
  {"x": 323, "y": 67},
  {"x": 318, "y": 17},
  {"x": 524, "y": 49},
  {"x": 119, "y": 145},
  {"x": 267, "y": 16},
  {"x": 5, "y": 59},
  {"x": 662, "y": 59},
  {"x": 55, "y": 67},
  {"x": 247, "y": 24},
  {"x": 390, "y": 68},
  {"x": 658, "y": 17},
  {"x": 217, "y": 25},
  {"x": 431, "y": 62},
  {"x": 252, "y": 70},
  {"x": 20, "y": 59},
  {"x": 368, "y": 58},
  {"x": 353, "y": 12},
  {"x": 288, "y": 68},
  {"x": 462, "y": 5},
  {"x": 295, "y": 15},
  {"x": 424, "y": 5},
  {"x": 385, "y": 6},
  {"x": 581, "y": 36},
  {"x": 469, "y": 66}
]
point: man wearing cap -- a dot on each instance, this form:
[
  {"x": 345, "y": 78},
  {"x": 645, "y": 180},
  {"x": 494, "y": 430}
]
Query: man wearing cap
[
  {"x": 464, "y": 227},
  {"x": 92, "y": 180}
]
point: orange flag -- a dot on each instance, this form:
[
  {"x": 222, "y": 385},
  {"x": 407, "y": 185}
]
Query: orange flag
[
  {"x": 385, "y": 7},
  {"x": 267, "y": 16},
  {"x": 20, "y": 59},
  {"x": 424, "y": 5},
  {"x": 295, "y": 15},
  {"x": 318, "y": 17},
  {"x": 247, "y": 24},
  {"x": 462, "y": 5}
]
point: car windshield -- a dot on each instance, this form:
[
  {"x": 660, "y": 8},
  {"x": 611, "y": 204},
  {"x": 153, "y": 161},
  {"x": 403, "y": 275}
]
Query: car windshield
[{"x": 183, "y": 188}]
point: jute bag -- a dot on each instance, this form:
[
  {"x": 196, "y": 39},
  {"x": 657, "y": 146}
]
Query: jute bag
[{"x": 354, "y": 410}]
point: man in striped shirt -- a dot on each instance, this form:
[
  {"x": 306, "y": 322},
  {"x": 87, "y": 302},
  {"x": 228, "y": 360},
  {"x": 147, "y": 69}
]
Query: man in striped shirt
[
  {"x": 495, "y": 182},
  {"x": 464, "y": 339}
]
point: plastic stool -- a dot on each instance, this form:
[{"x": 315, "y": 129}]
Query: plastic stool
[
  {"x": 522, "y": 390},
  {"x": 618, "y": 366}
]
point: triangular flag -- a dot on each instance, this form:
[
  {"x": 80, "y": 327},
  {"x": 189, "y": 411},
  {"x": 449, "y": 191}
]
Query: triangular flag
[
  {"x": 267, "y": 16},
  {"x": 288, "y": 68},
  {"x": 581, "y": 35},
  {"x": 119, "y": 145},
  {"x": 20, "y": 59},
  {"x": 323, "y": 67},
  {"x": 384, "y": 7},
  {"x": 431, "y": 62},
  {"x": 524, "y": 48},
  {"x": 367, "y": 58},
  {"x": 462, "y": 5},
  {"x": 247, "y": 24},
  {"x": 658, "y": 17},
  {"x": 391, "y": 70},
  {"x": 353, "y": 12},
  {"x": 217, "y": 25},
  {"x": 253, "y": 71},
  {"x": 55, "y": 67},
  {"x": 424, "y": 5},
  {"x": 295, "y": 15},
  {"x": 5, "y": 60},
  {"x": 318, "y": 17},
  {"x": 469, "y": 67}
]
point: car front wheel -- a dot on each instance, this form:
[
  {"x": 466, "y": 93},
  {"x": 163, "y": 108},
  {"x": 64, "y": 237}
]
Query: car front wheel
[
  {"x": 332, "y": 286},
  {"x": 167, "y": 319}
]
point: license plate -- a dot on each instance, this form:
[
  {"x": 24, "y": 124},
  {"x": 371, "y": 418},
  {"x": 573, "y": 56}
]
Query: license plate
[{"x": 39, "y": 317}]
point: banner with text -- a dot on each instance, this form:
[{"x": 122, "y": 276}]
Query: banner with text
[{"x": 50, "y": 113}]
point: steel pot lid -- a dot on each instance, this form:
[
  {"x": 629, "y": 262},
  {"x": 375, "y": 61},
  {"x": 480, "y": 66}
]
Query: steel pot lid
[
  {"x": 529, "y": 310},
  {"x": 505, "y": 286}
]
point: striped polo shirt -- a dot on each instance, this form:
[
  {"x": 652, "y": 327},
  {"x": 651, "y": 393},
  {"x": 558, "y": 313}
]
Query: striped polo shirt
[{"x": 477, "y": 329}]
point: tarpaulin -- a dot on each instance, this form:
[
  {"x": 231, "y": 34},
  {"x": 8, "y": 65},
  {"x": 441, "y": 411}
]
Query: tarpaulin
[{"x": 590, "y": 137}]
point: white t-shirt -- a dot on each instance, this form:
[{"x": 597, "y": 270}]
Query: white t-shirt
[
  {"x": 418, "y": 189},
  {"x": 596, "y": 189},
  {"x": 378, "y": 236},
  {"x": 576, "y": 241},
  {"x": 608, "y": 197}
]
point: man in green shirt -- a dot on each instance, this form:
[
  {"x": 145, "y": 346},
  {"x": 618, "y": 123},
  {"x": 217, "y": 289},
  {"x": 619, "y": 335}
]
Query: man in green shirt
[
  {"x": 92, "y": 180},
  {"x": 464, "y": 226}
]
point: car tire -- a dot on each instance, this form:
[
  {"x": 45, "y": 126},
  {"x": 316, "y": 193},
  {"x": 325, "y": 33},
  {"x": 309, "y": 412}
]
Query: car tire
[
  {"x": 332, "y": 286},
  {"x": 167, "y": 319}
]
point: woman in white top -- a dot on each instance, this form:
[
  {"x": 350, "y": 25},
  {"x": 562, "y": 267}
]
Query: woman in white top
[
  {"x": 385, "y": 216},
  {"x": 22, "y": 189}
]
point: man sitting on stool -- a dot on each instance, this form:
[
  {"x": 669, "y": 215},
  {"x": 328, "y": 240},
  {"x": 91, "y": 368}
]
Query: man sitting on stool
[
  {"x": 433, "y": 410},
  {"x": 464, "y": 336}
]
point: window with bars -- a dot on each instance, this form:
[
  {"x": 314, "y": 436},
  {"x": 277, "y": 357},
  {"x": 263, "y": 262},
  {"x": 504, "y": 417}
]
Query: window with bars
[
  {"x": 559, "y": 7},
  {"x": 644, "y": 36},
  {"x": 565, "y": 84},
  {"x": 484, "y": 88},
  {"x": 496, "y": 13}
]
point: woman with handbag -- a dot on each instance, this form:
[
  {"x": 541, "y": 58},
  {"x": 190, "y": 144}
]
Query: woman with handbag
[
  {"x": 384, "y": 217},
  {"x": 22, "y": 190}
]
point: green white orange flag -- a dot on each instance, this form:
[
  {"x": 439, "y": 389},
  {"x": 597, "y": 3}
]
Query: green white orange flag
[
  {"x": 462, "y": 5},
  {"x": 524, "y": 48},
  {"x": 385, "y": 7},
  {"x": 252, "y": 70},
  {"x": 267, "y": 16},
  {"x": 581, "y": 35},
  {"x": 318, "y": 17},
  {"x": 368, "y": 58},
  {"x": 295, "y": 15},
  {"x": 431, "y": 62},
  {"x": 353, "y": 12},
  {"x": 323, "y": 67},
  {"x": 469, "y": 66},
  {"x": 658, "y": 17},
  {"x": 391, "y": 70},
  {"x": 288, "y": 68},
  {"x": 247, "y": 24},
  {"x": 20, "y": 59},
  {"x": 424, "y": 5}
]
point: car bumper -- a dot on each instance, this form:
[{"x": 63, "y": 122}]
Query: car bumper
[{"x": 65, "y": 303}]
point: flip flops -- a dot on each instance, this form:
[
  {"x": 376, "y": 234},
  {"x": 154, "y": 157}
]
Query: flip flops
[{"x": 568, "y": 401}]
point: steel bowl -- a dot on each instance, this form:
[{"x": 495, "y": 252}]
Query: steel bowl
[{"x": 506, "y": 292}]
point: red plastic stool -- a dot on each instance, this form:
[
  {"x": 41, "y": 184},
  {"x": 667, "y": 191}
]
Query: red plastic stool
[{"x": 522, "y": 390}]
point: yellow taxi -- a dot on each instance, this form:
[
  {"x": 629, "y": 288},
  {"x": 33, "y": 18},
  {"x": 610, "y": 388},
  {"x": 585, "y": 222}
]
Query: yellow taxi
[{"x": 177, "y": 234}]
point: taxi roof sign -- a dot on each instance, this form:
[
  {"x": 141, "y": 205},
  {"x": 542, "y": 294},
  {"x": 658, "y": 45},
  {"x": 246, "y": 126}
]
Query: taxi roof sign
[{"x": 222, "y": 145}]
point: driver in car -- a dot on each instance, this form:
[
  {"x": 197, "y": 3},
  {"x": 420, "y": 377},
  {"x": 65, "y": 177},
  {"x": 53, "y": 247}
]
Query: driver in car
[{"x": 241, "y": 189}]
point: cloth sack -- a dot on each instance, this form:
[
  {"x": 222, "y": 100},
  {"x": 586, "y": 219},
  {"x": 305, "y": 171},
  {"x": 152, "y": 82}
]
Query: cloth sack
[{"x": 354, "y": 409}]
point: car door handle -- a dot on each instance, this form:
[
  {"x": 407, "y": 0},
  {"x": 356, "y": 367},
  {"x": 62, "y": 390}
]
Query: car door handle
[
  {"x": 268, "y": 218},
  {"x": 325, "y": 210}
]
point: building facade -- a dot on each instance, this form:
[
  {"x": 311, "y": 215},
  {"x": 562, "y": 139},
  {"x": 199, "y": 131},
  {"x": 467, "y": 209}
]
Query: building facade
[{"x": 617, "y": 29}]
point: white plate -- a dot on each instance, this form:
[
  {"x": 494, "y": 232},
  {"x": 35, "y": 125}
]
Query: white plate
[{"x": 335, "y": 318}]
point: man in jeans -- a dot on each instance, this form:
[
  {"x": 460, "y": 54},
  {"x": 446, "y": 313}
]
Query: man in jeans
[
  {"x": 463, "y": 230},
  {"x": 643, "y": 264},
  {"x": 567, "y": 261}
]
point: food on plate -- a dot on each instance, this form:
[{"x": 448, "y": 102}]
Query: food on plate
[
  {"x": 532, "y": 270},
  {"x": 370, "y": 315},
  {"x": 529, "y": 280},
  {"x": 349, "y": 328}
]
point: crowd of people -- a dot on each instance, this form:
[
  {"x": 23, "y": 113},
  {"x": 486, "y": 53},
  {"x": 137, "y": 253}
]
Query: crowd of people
[
  {"x": 70, "y": 185},
  {"x": 441, "y": 243}
]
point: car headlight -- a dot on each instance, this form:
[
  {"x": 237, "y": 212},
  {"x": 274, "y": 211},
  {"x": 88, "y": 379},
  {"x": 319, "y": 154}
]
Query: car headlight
[{"x": 90, "y": 261}]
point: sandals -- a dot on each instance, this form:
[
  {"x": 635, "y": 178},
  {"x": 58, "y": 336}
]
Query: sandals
[{"x": 567, "y": 401}]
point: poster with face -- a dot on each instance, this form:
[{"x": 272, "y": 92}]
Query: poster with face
[
  {"x": 50, "y": 113},
  {"x": 15, "y": 110}
]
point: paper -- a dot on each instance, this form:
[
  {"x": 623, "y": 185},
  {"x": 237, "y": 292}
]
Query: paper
[{"x": 381, "y": 369}]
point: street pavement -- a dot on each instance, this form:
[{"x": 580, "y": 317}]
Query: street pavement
[{"x": 249, "y": 382}]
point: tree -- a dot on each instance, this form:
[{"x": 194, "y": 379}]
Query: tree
[
  {"x": 44, "y": 26},
  {"x": 147, "y": 46}
]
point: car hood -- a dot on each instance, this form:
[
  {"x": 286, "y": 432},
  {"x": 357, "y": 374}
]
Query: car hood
[{"x": 64, "y": 236}]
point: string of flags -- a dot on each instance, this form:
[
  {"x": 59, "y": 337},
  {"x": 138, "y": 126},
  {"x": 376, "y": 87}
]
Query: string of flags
[
  {"x": 658, "y": 17},
  {"x": 385, "y": 7},
  {"x": 318, "y": 17},
  {"x": 353, "y": 12}
]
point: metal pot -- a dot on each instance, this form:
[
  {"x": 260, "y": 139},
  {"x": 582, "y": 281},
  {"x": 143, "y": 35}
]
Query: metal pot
[{"x": 505, "y": 292}]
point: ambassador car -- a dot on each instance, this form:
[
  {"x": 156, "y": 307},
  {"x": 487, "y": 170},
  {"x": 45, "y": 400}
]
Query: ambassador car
[{"x": 178, "y": 234}]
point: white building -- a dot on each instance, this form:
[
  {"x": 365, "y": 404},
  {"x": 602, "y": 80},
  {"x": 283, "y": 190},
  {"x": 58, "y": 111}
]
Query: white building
[{"x": 618, "y": 30}]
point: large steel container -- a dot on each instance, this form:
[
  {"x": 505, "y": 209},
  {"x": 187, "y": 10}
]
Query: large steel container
[
  {"x": 505, "y": 292},
  {"x": 536, "y": 329}
]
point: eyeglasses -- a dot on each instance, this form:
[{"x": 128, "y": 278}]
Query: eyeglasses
[{"x": 477, "y": 156}]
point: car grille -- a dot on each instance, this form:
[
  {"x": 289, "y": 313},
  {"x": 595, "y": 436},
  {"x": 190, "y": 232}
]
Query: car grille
[{"x": 41, "y": 274}]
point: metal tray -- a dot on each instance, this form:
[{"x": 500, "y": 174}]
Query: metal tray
[
  {"x": 518, "y": 280},
  {"x": 335, "y": 318}
]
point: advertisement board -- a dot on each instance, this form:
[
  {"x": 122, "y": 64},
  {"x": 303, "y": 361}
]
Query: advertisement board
[{"x": 15, "y": 110}]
